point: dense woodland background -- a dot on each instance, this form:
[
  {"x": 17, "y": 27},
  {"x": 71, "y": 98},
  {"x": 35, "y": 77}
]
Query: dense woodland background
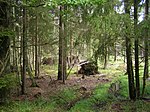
[{"x": 61, "y": 39}]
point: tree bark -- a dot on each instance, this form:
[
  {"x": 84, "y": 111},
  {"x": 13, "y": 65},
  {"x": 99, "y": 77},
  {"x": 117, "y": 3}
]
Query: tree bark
[
  {"x": 145, "y": 75},
  {"x": 60, "y": 63},
  {"x": 24, "y": 41},
  {"x": 36, "y": 49},
  {"x": 115, "y": 52},
  {"x": 4, "y": 40},
  {"x": 136, "y": 44},
  {"x": 62, "y": 45},
  {"x": 4, "y": 47},
  {"x": 129, "y": 58},
  {"x": 65, "y": 45}
]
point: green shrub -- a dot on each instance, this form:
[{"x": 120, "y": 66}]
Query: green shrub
[{"x": 7, "y": 82}]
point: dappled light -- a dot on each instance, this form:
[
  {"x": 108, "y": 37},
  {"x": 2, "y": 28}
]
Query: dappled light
[{"x": 74, "y": 56}]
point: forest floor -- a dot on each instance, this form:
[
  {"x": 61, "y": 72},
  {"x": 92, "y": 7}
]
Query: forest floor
[
  {"x": 49, "y": 86},
  {"x": 95, "y": 93}
]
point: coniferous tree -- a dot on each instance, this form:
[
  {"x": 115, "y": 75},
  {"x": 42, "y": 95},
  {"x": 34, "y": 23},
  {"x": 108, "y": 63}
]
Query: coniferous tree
[
  {"x": 146, "y": 48},
  {"x": 4, "y": 45},
  {"x": 129, "y": 57},
  {"x": 24, "y": 51},
  {"x": 136, "y": 44},
  {"x": 60, "y": 64}
]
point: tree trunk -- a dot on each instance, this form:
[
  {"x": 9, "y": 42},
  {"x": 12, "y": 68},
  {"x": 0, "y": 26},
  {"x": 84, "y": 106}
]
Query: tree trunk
[
  {"x": 71, "y": 52},
  {"x": 129, "y": 58},
  {"x": 62, "y": 46},
  {"x": 115, "y": 52},
  {"x": 105, "y": 49},
  {"x": 4, "y": 40},
  {"x": 136, "y": 43},
  {"x": 33, "y": 53},
  {"x": 4, "y": 47},
  {"x": 39, "y": 56},
  {"x": 145, "y": 75},
  {"x": 16, "y": 52},
  {"x": 60, "y": 63},
  {"x": 105, "y": 57},
  {"x": 65, "y": 46},
  {"x": 36, "y": 49},
  {"x": 24, "y": 41}
]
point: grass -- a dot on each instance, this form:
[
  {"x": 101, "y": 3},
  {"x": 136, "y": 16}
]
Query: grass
[
  {"x": 114, "y": 69},
  {"x": 64, "y": 97},
  {"x": 101, "y": 99},
  {"x": 100, "y": 95},
  {"x": 82, "y": 106},
  {"x": 49, "y": 69},
  {"x": 59, "y": 102},
  {"x": 39, "y": 105},
  {"x": 137, "y": 106},
  {"x": 54, "y": 69}
]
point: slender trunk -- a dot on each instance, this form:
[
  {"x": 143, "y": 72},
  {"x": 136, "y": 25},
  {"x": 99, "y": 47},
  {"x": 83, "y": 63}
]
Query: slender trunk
[
  {"x": 129, "y": 59},
  {"x": 136, "y": 43},
  {"x": 105, "y": 57},
  {"x": 24, "y": 40},
  {"x": 36, "y": 49},
  {"x": 124, "y": 57},
  {"x": 130, "y": 69},
  {"x": 62, "y": 46},
  {"x": 71, "y": 52},
  {"x": 4, "y": 47},
  {"x": 60, "y": 64},
  {"x": 65, "y": 46},
  {"x": 28, "y": 69},
  {"x": 17, "y": 29},
  {"x": 115, "y": 52},
  {"x": 14, "y": 53},
  {"x": 5, "y": 40},
  {"x": 39, "y": 56},
  {"x": 33, "y": 53},
  {"x": 145, "y": 75},
  {"x": 105, "y": 49}
]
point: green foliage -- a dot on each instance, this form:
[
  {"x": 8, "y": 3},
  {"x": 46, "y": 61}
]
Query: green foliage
[
  {"x": 123, "y": 92},
  {"x": 100, "y": 100},
  {"x": 7, "y": 33},
  {"x": 147, "y": 89},
  {"x": 49, "y": 69},
  {"x": 101, "y": 92},
  {"x": 76, "y": 2},
  {"x": 137, "y": 106},
  {"x": 39, "y": 105},
  {"x": 64, "y": 97},
  {"x": 53, "y": 104},
  {"x": 8, "y": 81},
  {"x": 83, "y": 106},
  {"x": 100, "y": 95}
]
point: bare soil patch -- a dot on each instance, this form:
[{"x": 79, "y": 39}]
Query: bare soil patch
[{"x": 48, "y": 86}]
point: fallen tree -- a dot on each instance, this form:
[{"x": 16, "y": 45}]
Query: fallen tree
[{"x": 88, "y": 68}]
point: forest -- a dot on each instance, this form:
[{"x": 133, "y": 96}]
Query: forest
[{"x": 74, "y": 56}]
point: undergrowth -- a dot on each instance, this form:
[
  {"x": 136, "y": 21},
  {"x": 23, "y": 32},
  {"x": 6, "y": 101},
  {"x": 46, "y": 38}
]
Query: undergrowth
[{"x": 100, "y": 99}]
